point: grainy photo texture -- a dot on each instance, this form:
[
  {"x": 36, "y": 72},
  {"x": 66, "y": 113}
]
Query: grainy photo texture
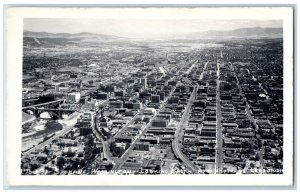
[{"x": 140, "y": 97}]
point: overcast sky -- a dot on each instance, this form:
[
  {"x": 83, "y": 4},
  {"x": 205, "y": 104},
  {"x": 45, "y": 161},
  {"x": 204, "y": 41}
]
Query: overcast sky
[{"x": 140, "y": 28}]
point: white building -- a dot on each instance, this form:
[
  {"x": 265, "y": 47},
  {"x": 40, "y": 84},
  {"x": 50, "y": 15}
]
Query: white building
[{"x": 73, "y": 97}]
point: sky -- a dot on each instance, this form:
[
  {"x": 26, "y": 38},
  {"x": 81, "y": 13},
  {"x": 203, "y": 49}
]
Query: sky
[{"x": 140, "y": 28}]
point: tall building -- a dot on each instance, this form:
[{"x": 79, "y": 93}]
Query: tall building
[
  {"x": 56, "y": 88},
  {"x": 85, "y": 123},
  {"x": 86, "y": 100},
  {"x": 102, "y": 96},
  {"x": 73, "y": 97},
  {"x": 160, "y": 122},
  {"x": 155, "y": 98},
  {"x": 119, "y": 93},
  {"x": 110, "y": 88},
  {"x": 144, "y": 82},
  {"x": 137, "y": 105},
  {"x": 162, "y": 96}
]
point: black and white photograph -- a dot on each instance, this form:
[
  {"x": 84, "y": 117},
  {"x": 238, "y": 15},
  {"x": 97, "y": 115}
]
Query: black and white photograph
[{"x": 147, "y": 92}]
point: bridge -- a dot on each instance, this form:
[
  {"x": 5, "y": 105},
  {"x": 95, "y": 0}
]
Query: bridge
[
  {"x": 30, "y": 101},
  {"x": 52, "y": 107},
  {"x": 51, "y": 103}
]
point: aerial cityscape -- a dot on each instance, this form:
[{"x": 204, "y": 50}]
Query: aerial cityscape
[{"x": 207, "y": 102}]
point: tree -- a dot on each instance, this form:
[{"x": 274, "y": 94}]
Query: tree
[
  {"x": 46, "y": 151},
  {"x": 70, "y": 153},
  {"x": 88, "y": 153},
  {"x": 60, "y": 162},
  {"x": 109, "y": 166},
  {"x": 280, "y": 156},
  {"x": 34, "y": 165},
  {"x": 257, "y": 156},
  {"x": 53, "y": 125},
  {"x": 158, "y": 168},
  {"x": 89, "y": 141}
]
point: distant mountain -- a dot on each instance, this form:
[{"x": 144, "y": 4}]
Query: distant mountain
[
  {"x": 36, "y": 34},
  {"x": 83, "y": 36},
  {"x": 46, "y": 38},
  {"x": 256, "y": 32}
]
